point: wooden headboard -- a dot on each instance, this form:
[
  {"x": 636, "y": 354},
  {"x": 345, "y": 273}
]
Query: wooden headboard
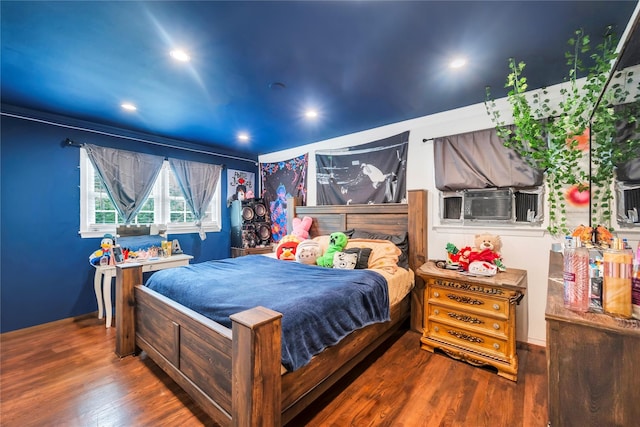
[{"x": 389, "y": 218}]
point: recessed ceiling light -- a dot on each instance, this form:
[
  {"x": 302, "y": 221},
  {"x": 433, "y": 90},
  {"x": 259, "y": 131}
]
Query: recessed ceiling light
[
  {"x": 128, "y": 106},
  {"x": 243, "y": 136},
  {"x": 311, "y": 114},
  {"x": 458, "y": 63},
  {"x": 180, "y": 55}
]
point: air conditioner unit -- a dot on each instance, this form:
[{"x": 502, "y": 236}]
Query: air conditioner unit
[
  {"x": 488, "y": 205},
  {"x": 514, "y": 206}
]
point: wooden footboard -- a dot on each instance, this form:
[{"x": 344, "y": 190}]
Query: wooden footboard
[
  {"x": 239, "y": 381},
  {"x": 235, "y": 374}
]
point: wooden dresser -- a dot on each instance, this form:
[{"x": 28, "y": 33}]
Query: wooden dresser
[
  {"x": 593, "y": 363},
  {"x": 473, "y": 319}
]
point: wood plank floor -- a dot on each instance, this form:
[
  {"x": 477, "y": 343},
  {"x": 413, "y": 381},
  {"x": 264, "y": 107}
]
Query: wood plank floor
[{"x": 67, "y": 374}]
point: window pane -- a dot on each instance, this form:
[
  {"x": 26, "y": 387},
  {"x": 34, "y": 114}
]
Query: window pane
[{"x": 165, "y": 204}]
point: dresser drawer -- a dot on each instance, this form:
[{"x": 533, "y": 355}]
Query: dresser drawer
[
  {"x": 465, "y": 319},
  {"x": 465, "y": 301},
  {"x": 472, "y": 340}
]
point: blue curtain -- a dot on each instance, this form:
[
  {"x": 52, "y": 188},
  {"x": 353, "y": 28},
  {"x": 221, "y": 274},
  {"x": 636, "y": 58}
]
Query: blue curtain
[
  {"x": 127, "y": 176},
  {"x": 198, "y": 183}
]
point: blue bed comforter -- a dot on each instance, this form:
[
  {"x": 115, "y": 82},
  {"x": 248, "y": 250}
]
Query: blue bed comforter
[{"x": 320, "y": 306}]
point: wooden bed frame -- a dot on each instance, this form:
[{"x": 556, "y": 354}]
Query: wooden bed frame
[{"x": 235, "y": 374}]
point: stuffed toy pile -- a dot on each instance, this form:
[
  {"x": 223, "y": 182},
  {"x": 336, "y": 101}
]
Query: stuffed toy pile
[{"x": 485, "y": 252}]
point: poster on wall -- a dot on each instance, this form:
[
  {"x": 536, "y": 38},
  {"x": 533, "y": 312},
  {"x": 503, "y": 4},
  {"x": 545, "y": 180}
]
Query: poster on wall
[
  {"x": 240, "y": 182},
  {"x": 364, "y": 174},
  {"x": 279, "y": 181}
]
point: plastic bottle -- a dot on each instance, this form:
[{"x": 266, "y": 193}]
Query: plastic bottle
[
  {"x": 576, "y": 277},
  {"x": 618, "y": 269},
  {"x": 635, "y": 285}
]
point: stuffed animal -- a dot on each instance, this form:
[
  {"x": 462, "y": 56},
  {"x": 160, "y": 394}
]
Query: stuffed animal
[
  {"x": 301, "y": 227},
  {"x": 345, "y": 261},
  {"x": 337, "y": 242},
  {"x": 486, "y": 249},
  {"x": 487, "y": 241},
  {"x": 286, "y": 249},
  {"x": 104, "y": 252},
  {"x": 308, "y": 251}
]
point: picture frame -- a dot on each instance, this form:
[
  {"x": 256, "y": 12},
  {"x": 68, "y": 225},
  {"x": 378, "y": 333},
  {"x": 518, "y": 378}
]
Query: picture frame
[{"x": 118, "y": 255}]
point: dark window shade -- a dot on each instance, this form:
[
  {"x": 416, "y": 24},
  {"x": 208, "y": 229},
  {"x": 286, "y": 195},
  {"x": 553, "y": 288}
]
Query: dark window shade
[
  {"x": 632, "y": 200},
  {"x": 477, "y": 160},
  {"x": 628, "y": 129},
  {"x": 452, "y": 207},
  {"x": 525, "y": 202}
]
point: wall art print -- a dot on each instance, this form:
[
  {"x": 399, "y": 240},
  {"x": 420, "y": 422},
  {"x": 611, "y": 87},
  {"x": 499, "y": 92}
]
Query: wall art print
[
  {"x": 279, "y": 181},
  {"x": 240, "y": 182},
  {"x": 364, "y": 174}
]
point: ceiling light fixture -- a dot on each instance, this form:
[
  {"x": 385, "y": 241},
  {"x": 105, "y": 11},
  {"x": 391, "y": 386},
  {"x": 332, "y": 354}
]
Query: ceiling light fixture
[
  {"x": 128, "y": 106},
  {"x": 243, "y": 136},
  {"x": 180, "y": 55},
  {"x": 458, "y": 63},
  {"x": 311, "y": 114}
]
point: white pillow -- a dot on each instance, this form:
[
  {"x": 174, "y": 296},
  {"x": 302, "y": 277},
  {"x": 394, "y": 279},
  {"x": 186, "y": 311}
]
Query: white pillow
[{"x": 345, "y": 261}]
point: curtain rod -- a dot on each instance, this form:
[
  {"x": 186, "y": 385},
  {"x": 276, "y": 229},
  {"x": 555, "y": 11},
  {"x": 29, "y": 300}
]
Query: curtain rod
[
  {"x": 68, "y": 142},
  {"x": 255, "y": 162}
]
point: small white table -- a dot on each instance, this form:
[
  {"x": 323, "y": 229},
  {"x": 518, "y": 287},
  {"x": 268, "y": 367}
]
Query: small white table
[{"x": 104, "y": 274}]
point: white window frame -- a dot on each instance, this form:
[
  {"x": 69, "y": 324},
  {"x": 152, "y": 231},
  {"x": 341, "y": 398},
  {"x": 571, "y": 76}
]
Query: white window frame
[{"x": 212, "y": 223}]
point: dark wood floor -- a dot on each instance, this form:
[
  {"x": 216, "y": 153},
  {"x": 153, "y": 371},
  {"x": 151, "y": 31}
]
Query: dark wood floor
[{"x": 66, "y": 374}]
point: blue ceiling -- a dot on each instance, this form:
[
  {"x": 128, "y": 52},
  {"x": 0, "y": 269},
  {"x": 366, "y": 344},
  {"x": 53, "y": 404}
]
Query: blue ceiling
[{"x": 255, "y": 66}]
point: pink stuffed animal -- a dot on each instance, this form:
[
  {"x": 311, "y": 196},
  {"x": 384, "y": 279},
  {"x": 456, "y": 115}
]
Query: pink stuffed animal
[{"x": 301, "y": 227}]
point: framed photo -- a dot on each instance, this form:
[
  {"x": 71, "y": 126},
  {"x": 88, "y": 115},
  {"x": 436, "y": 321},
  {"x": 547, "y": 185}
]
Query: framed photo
[{"x": 118, "y": 256}]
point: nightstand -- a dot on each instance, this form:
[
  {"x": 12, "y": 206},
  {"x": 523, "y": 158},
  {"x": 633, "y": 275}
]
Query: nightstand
[
  {"x": 105, "y": 273},
  {"x": 471, "y": 318}
]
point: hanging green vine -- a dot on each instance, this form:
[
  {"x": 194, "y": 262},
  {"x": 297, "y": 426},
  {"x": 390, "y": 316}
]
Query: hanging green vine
[{"x": 547, "y": 137}]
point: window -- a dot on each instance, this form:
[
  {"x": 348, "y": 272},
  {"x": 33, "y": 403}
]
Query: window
[
  {"x": 628, "y": 204},
  {"x": 165, "y": 205},
  {"x": 492, "y": 206}
]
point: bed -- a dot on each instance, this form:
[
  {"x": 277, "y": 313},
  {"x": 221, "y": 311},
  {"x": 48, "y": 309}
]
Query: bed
[{"x": 236, "y": 374}]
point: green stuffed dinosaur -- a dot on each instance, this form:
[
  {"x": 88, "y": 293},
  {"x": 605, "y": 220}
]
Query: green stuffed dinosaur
[{"x": 337, "y": 242}]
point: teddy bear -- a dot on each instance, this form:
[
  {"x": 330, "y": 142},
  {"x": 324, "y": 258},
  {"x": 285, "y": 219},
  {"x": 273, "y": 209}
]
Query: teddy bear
[
  {"x": 487, "y": 241},
  {"x": 337, "y": 242},
  {"x": 486, "y": 249},
  {"x": 301, "y": 227},
  {"x": 308, "y": 252}
]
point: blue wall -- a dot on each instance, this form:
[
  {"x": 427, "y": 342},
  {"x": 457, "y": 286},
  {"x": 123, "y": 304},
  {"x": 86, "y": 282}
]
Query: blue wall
[{"x": 45, "y": 274}]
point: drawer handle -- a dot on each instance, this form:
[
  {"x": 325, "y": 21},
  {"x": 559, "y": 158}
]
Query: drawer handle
[
  {"x": 437, "y": 311},
  {"x": 463, "y": 336},
  {"x": 436, "y": 294},
  {"x": 464, "y": 300},
  {"x": 496, "y": 346},
  {"x": 437, "y": 329},
  {"x": 465, "y": 318},
  {"x": 496, "y": 307},
  {"x": 496, "y": 326}
]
